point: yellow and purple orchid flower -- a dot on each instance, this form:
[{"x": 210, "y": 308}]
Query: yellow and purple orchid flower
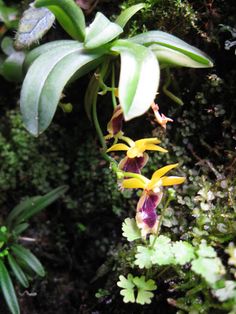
[
  {"x": 146, "y": 215},
  {"x": 136, "y": 158}
]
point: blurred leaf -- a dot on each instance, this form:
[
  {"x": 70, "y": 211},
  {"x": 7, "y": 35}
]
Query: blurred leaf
[
  {"x": 183, "y": 252},
  {"x": 211, "y": 269},
  {"x": 163, "y": 254},
  {"x": 139, "y": 78},
  {"x": 30, "y": 259},
  {"x": 34, "y": 205},
  {"x": 18, "y": 272},
  {"x": 7, "y": 45},
  {"x": 20, "y": 228},
  {"x": 205, "y": 250},
  {"x": 8, "y": 289},
  {"x": 68, "y": 14},
  {"x": 34, "y": 23},
  {"x": 158, "y": 39},
  {"x": 130, "y": 230},
  {"x": 127, "y": 14},
  {"x": 143, "y": 258},
  {"x": 101, "y": 31}
]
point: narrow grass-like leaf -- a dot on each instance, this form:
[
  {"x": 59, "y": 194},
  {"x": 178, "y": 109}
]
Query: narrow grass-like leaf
[
  {"x": 174, "y": 43},
  {"x": 34, "y": 23},
  {"x": 34, "y": 205},
  {"x": 46, "y": 79},
  {"x": 20, "y": 228},
  {"x": 101, "y": 31},
  {"x": 8, "y": 289},
  {"x": 18, "y": 272},
  {"x": 139, "y": 77},
  {"x": 30, "y": 259},
  {"x": 68, "y": 14},
  {"x": 127, "y": 14}
]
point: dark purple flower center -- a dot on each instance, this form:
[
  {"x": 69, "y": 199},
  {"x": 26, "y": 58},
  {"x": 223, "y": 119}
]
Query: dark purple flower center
[{"x": 148, "y": 209}]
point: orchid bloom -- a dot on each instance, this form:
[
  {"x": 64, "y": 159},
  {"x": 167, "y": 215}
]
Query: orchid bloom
[
  {"x": 114, "y": 126},
  {"x": 146, "y": 217},
  {"x": 137, "y": 148},
  {"x": 136, "y": 158},
  {"x": 160, "y": 117}
]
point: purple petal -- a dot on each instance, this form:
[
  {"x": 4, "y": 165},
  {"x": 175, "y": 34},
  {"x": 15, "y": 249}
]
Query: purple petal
[
  {"x": 133, "y": 164},
  {"x": 147, "y": 208}
]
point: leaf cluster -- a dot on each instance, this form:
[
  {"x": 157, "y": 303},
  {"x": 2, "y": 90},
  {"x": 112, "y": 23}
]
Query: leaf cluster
[{"x": 14, "y": 258}]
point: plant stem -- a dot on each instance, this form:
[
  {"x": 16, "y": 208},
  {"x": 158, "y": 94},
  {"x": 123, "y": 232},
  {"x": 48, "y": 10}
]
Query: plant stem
[
  {"x": 168, "y": 93},
  {"x": 113, "y": 87},
  {"x": 96, "y": 123}
]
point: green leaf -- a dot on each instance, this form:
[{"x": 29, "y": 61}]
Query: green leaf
[
  {"x": 8, "y": 290},
  {"x": 12, "y": 67},
  {"x": 34, "y": 205},
  {"x": 163, "y": 254},
  {"x": 211, "y": 269},
  {"x": 205, "y": 250},
  {"x": 144, "y": 257},
  {"x": 128, "y": 288},
  {"x": 183, "y": 252},
  {"x": 227, "y": 292},
  {"x": 139, "y": 78},
  {"x": 101, "y": 31},
  {"x": 35, "y": 53},
  {"x": 159, "y": 41},
  {"x": 130, "y": 230},
  {"x": 18, "y": 272},
  {"x": 144, "y": 295},
  {"x": 30, "y": 259},
  {"x": 8, "y": 15},
  {"x": 46, "y": 79},
  {"x": 20, "y": 228},
  {"x": 68, "y": 14},
  {"x": 127, "y": 14},
  {"x": 7, "y": 45},
  {"x": 34, "y": 23}
]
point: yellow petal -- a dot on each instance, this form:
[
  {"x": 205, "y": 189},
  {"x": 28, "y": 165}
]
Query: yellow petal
[
  {"x": 134, "y": 152},
  {"x": 160, "y": 172},
  {"x": 166, "y": 181},
  {"x": 156, "y": 148},
  {"x": 144, "y": 141},
  {"x": 133, "y": 183},
  {"x": 118, "y": 147}
]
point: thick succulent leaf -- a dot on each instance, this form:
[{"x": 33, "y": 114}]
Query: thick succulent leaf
[
  {"x": 68, "y": 14},
  {"x": 127, "y": 14},
  {"x": 8, "y": 289},
  {"x": 101, "y": 31},
  {"x": 27, "y": 257},
  {"x": 139, "y": 77},
  {"x": 7, "y": 45},
  {"x": 35, "y": 53},
  {"x": 46, "y": 79},
  {"x": 174, "y": 43},
  {"x": 18, "y": 272},
  {"x": 12, "y": 67},
  {"x": 171, "y": 58},
  {"x": 34, "y": 23},
  {"x": 34, "y": 205}
]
